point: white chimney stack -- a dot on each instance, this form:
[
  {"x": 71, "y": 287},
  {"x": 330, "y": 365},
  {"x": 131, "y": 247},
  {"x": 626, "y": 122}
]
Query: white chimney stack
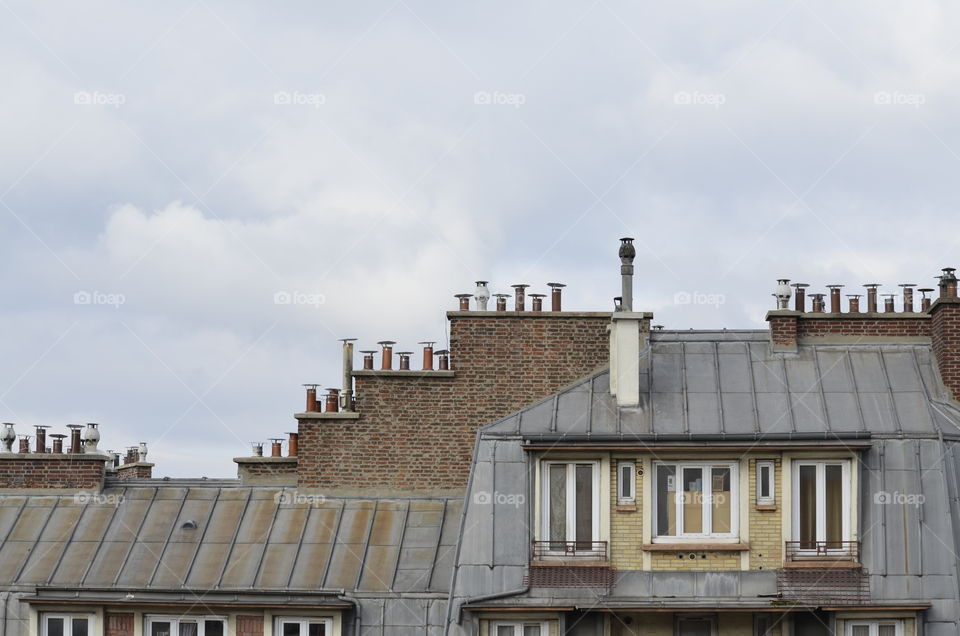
[{"x": 628, "y": 335}]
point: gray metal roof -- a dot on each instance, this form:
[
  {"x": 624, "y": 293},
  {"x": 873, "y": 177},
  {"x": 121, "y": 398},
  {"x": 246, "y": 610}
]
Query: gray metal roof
[
  {"x": 246, "y": 538},
  {"x": 731, "y": 384},
  {"x": 709, "y": 386}
]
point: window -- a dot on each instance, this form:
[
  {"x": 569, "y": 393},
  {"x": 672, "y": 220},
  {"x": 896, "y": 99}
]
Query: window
[
  {"x": 66, "y": 624},
  {"x": 875, "y": 628},
  {"x": 519, "y": 628},
  {"x": 301, "y": 626},
  {"x": 571, "y": 503},
  {"x": 696, "y": 499},
  {"x": 765, "y": 483},
  {"x": 158, "y": 625},
  {"x": 821, "y": 504},
  {"x": 694, "y": 625},
  {"x": 626, "y": 483},
  {"x": 762, "y": 625}
]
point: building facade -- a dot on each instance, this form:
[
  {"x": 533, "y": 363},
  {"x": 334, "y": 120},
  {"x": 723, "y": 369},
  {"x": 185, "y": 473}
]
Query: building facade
[{"x": 552, "y": 473}]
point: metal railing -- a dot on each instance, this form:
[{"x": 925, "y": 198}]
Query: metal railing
[
  {"x": 570, "y": 550},
  {"x": 823, "y": 551}
]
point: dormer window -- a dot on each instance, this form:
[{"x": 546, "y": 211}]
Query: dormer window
[
  {"x": 694, "y": 500},
  {"x": 570, "y": 514}
]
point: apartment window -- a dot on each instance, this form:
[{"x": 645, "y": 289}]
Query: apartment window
[
  {"x": 66, "y": 624},
  {"x": 695, "y": 625},
  {"x": 695, "y": 500},
  {"x": 875, "y": 628},
  {"x": 762, "y": 625},
  {"x": 571, "y": 503},
  {"x": 821, "y": 504},
  {"x": 300, "y": 626},
  {"x": 626, "y": 482},
  {"x": 766, "y": 487},
  {"x": 519, "y": 628},
  {"x": 159, "y": 625}
]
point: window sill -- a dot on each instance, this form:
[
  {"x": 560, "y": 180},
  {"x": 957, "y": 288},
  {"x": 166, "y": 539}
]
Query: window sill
[
  {"x": 766, "y": 506},
  {"x": 823, "y": 564},
  {"x": 696, "y": 547},
  {"x": 627, "y": 507}
]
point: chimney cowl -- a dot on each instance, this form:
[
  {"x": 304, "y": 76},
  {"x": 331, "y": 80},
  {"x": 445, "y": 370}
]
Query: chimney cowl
[
  {"x": 7, "y": 437},
  {"x": 482, "y": 295},
  {"x": 627, "y": 251},
  {"x": 783, "y": 293}
]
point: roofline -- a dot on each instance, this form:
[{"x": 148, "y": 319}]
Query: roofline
[
  {"x": 735, "y": 606},
  {"x": 644, "y": 439}
]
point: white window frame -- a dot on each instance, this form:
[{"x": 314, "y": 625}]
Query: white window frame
[
  {"x": 846, "y": 493},
  {"x": 174, "y": 620},
  {"x": 571, "y": 509},
  {"x": 518, "y": 626},
  {"x": 873, "y": 625},
  {"x": 627, "y": 467},
  {"x": 304, "y": 621},
  {"x": 67, "y": 621},
  {"x": 734, "y": 533},
  {"x": 771, "y": 478}
]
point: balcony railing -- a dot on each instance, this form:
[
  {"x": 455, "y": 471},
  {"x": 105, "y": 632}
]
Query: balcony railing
[
  {"x": 570, "y": 550},
  {"x": 822, "y": 552}
]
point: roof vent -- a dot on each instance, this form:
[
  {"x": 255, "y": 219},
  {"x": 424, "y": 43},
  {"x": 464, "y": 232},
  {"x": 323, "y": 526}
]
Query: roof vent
[{"x": 189, "y": 524}]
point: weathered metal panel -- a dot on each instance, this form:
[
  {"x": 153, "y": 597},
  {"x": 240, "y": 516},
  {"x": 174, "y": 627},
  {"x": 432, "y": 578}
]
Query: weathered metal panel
[
  {"x": 738, "y": 412},
  {"x": 703, "y": 412}
]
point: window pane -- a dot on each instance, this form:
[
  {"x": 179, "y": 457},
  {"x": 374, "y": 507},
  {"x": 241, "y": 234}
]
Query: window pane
[
  {"x": 504, "y": 630},
  {"x": 534, "y": 630},
  {"x": 765, "y": 482},
  {"x": 291, "y": 629},
  {"x": 807, "y": 490},
  {"x": 693, "y": 500},
  {"x": 626, "y": 481},
  {"x": 188, "y": 628},
  {"x": 584, "y": 503},
  {"x": 666, "y": 504},
  {"x": 887, "y": 629},
  {"x": 833, "y": 509},
  {"x": 316, "y": 629},
  {"x": 720, "y": 499},
  {"x": 860, "y": 630},
  {"x": 79, "y": 627},
  {"x": 762, "y": 625},
  {"x": 558, "y": 502},
  {"x": 694, "y": 627},
  {"x": 213, "y": 628},
  {"x": 54, "y": 627},
  {"x": 160, "y": 628}
]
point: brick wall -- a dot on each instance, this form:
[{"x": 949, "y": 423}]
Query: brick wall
[
  {"x": 278, "y": 471},
  {"x": 945, "y": 335},
  {"x": 626, "y": 523},
  {"x": 80, "y": 472},
  {"x": 135, "y": 470},
  {"x": 416, "y": 432},
  {"x": 917, "y": 325}
]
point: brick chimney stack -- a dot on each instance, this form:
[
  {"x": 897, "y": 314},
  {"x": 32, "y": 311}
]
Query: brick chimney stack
[{"x": 945, "y": 332}]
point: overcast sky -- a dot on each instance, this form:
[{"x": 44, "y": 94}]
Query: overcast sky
[{"x": 167, "y": 169}]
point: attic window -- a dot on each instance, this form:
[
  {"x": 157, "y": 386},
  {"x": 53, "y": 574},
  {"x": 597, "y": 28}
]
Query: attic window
[
  {"x": 626, "y": 482},
  {"x": 66, "y": 624},
  {"x": 765, "y": 483}
]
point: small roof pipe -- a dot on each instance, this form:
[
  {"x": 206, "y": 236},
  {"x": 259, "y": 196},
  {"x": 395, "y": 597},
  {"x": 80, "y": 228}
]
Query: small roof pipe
[
  {"x": 386, "y": 357},
  {"x": 464, "y": 301},
  {"x": 427, "y": 355},
  {"x": 311, "y": 397},
  {"x": 800, "y": 297},
  {"x": 501, "y": 301},
  {"x": 834, "y": 298},
  {"x": 872, "y": 297},
  {"x": 925, "y": 301},
  {"x": 556, "y": 291},
  {"x": 346, "y": 395},
  {"x": 537, "y": 300},
  {"x": 854, "y": 303},
  {"x": 627, "y": 253}
]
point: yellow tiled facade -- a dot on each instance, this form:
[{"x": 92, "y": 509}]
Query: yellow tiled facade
[
  {"x": 766, "y": 536},
  {"x": 763, "y": 530}
]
